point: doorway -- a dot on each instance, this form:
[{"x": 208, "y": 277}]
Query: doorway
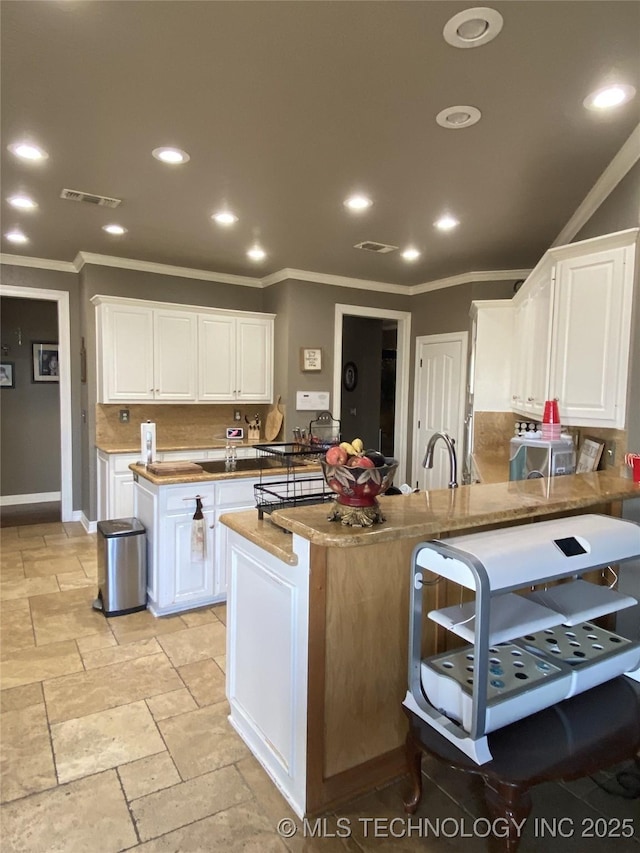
[
  {"x": 387, "y": 386},
  {"x": 440, "y": 381},
  {"x": 61, "y": 298}
]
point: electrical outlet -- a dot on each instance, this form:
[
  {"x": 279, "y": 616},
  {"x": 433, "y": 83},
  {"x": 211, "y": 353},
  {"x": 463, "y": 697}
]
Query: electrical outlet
[
  {"x": 124, "y": 416},
  {"x": 236, "y": 415},
  {"x": 609, "y": 453}
]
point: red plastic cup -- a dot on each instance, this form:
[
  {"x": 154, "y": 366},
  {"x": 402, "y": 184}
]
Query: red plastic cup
[
  {"x": 635, "y": 468},
  {"x": 551, "y": 414}
]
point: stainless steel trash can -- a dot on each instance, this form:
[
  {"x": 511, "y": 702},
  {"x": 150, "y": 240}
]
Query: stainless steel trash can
[{"x": 122, "y": 567}]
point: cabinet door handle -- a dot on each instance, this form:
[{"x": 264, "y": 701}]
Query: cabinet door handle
[
  {"x": 211, "y": 526},
  {"x": 530, "y": 399}
]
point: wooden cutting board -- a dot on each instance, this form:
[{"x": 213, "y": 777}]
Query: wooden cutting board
[{"x": 273, "y": 422}]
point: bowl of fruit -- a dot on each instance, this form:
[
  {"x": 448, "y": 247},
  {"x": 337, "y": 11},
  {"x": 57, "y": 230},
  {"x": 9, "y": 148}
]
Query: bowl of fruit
[{"x": 356, "y": 475}]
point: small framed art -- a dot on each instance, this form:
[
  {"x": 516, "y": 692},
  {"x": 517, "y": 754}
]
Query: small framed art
[
  {"x": 7, "y": 374},
  {"x": 45, "y": 362},
  {"x": 310, "y": 359}
]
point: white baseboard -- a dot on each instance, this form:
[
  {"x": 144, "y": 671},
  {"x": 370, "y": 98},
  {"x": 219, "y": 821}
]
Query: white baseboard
[
  {"x": 89, "y": 526},
  {"x": 39, "y": 498}
]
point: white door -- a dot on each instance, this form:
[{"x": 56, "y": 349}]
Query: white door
[{"x": 441, "y": 363}]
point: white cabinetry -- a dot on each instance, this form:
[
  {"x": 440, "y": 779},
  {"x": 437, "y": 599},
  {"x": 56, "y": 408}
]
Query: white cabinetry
[
  {"x": 159, "y": 352},
  {"x": 177, "y": 578},
  {"x": 592, "y": 323},
  {"x": 532, "y": 340},
  {"x": 145, "y": 354},
  {"x": 572, "y": 327},
  {"x": 115, "y": 485},
  {"x": 489, "y": 373},
  {"x": 236, "y": 359}
]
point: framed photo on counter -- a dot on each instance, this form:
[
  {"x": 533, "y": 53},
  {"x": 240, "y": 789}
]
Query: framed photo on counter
[{"x": 589, "y": 455}]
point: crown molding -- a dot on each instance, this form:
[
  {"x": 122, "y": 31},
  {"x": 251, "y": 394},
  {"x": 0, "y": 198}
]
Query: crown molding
[
  {"x": 335, "y": 280},
  {"x": 621, "y": 164},
  {"x": 83, "y": 258},
  {"x": 466, "y": 278},
  {"x": 37, "y": 263}
]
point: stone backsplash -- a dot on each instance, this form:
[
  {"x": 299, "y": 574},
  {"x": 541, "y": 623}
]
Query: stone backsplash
[
  {"x": 176, "y": 425},
  {"x": 492, "y": 432}
]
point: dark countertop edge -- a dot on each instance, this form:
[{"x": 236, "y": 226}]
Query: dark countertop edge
[
  {"x": 262, "y": 533},
  {"x": 343, "y": 537}
]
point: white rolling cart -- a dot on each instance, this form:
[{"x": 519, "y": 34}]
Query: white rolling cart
[{"x": 525, "y": 651}]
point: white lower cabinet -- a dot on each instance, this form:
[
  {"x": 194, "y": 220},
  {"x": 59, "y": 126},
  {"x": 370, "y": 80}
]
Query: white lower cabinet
[
  {"x": 115, "y": 485},
  {"x": 178, "y": 578}
]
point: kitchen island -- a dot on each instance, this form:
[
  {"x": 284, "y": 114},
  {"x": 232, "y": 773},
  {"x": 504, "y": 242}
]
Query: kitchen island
[
  {"x": 317, "y": 644},
  {"x": 186, "y": 555}
]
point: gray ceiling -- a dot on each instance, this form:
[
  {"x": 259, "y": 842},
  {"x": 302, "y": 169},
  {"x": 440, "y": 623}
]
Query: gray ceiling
[{"x": 287, "y": 107}]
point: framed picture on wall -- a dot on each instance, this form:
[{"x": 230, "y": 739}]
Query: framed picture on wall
[
  {"x": 45, "y": 362},
  {"x": 7, "y": 374}
]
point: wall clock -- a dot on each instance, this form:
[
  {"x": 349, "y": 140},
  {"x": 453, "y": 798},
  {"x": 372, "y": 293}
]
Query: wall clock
[{"x": 349, "y": 376}]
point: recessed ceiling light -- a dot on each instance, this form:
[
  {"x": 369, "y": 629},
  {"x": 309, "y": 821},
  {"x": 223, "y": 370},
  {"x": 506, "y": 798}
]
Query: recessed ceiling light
[
  {"x": 457, "y": 117},
  {"x": 225, "y": 217},
  {"x": 22, "y": 202},
  {"x": 118, "y": 230},
  {"x": 358, "y": 202},
  {"x": 173, "y": 156},
  {"x": 256, "y": 253},
  {"x": 411, "y": 254},
  {"x": 609, "y": 97},
  {"x": 446, "y": 222},
  {"x": 27, "y": 151},
  {"x": 473, "y": 27},
  {"x": 16, "y": 236}
]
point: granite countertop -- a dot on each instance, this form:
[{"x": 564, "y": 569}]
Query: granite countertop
[
  {"x": 434, "y": 513},
  {"x": 263, "y": 533},
  {"x": 256, "y": 470}
]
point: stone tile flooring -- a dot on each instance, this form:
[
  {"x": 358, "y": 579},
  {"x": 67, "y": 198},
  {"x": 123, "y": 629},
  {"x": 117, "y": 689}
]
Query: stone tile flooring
[{"x": 114, "y": 736}]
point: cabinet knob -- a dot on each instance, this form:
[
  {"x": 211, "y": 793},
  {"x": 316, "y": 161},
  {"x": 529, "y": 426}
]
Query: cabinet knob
[
  {"x": 530, "y": 399},
  {"x": 211, "y": 526}
]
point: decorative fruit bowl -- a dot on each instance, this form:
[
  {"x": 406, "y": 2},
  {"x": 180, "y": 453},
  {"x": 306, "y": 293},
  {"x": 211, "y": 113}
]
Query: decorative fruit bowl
[{"x": 357, "y": 486}]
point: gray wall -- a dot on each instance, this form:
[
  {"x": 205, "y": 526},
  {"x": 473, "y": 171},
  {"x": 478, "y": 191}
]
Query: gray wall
[
  {"x": 55, "y": 280},
  {"x": 310, "y": 322},
  {"x": 30, "y": 423}
]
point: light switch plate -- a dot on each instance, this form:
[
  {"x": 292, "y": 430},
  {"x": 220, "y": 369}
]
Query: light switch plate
[{"x": 311, "y": 401}]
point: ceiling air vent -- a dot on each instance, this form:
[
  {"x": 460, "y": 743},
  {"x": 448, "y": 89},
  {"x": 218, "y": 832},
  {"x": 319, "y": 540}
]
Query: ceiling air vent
[
  {"x": 371, "y": 246},
  {"x": 90, "y": 198}
]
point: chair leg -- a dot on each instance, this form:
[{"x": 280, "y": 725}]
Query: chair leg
[
  {"x": 511, "y": 804},
  {"x": 414, "y": 767}
]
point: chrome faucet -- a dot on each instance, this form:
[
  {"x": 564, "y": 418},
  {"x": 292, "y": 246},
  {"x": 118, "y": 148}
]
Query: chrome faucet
[{"x": 453, "y": 465}]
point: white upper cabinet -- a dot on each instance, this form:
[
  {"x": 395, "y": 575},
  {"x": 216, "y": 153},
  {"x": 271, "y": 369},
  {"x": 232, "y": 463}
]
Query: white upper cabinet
[
  {"x": 572, "y": 326},
  {"x": 125, "y": 353},
  {"x": 175, "y": 338},
  {"x": 532, "y": 341},
  {"x": 236, "y": 359},
  {"x": 490, "y": 373},
  {"x": 155, "y": 352},
  {"x": 592, "y": 324}
]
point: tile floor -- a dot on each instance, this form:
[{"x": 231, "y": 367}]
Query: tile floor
[{"x": 114, "y": 736}]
